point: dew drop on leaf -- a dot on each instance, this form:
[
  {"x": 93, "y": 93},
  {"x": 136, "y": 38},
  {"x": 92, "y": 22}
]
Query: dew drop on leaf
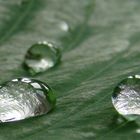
[
  {"x": 41, "y": 57},
  {"x": 126, "y": 97},
  {"x": 24, "y": 98},
  {"x": 64, "y": 26}
]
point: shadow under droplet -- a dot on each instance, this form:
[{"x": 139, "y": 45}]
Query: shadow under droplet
[{"x": 121, "y": 125}]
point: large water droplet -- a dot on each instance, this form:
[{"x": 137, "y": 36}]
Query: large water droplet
[
  {"x": 24, "y": 98},
  {"x": 41, "y": 57},
  {"x": 126, "y": 97}
]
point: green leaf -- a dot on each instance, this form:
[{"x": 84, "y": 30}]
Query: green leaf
[{"x": 100, "y": 47}]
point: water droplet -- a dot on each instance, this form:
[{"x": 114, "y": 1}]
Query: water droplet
[
  {"x": 64, "y": 26},
  {"x": 24, "y": 98},
  {"x": 41, "y": 57},
  {"x": 138, "y": 131},
  {"x": 126, "y": 97}
]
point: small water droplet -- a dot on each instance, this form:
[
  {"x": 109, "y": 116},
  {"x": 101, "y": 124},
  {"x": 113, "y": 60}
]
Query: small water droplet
[
  {"x": 64, "y": 26},
  {"x": 24, "y": 98},
  {"x": 126, "y": 97},
  {"x": 138, "y": 130},
  {"x": 41, "y": 57}
]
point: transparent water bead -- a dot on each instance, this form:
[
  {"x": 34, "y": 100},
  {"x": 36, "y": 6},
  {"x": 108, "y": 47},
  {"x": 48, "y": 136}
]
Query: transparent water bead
[
  {"x": 24, "y": 98},
  {"x": 126, "y": 97},
  {"x": 41, "y": 57}
]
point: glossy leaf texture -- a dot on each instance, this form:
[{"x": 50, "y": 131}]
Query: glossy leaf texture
[{"x": 100, "y": 46}]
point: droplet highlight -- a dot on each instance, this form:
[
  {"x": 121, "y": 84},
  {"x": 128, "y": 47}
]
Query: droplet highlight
[
  {"x": 41, "y": 57},
  {"x": 126, "y": 97},
  {"x": 24, "y": 98}
]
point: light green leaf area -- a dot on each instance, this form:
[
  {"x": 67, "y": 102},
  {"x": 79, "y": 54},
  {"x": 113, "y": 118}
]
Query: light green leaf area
[{"x": 100, "y": 46}]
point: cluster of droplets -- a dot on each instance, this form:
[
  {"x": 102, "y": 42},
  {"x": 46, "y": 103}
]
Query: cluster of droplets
[{"x": 23, "y": 98}]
